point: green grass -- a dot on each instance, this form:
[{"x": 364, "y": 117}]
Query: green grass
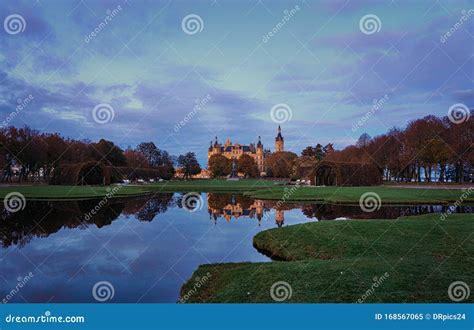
[
  {"x": 260, "y": 189},
  {"x": 337, "y": 261},
  {"x": 71, "y": 192},
  {"x": 388, "y": 195}
]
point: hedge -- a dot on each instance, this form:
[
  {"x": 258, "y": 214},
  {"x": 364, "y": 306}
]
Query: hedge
[{"x": 88, "y": 173}]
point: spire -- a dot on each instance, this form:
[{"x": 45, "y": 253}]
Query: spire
[
  {"x": 259, "y": 143},
  {"x": 216, "y": 144},
  {"x": 279, "y": 137}
]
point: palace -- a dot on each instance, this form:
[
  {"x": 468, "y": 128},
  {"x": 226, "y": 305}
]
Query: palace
[{"x": 256, "y": 151}]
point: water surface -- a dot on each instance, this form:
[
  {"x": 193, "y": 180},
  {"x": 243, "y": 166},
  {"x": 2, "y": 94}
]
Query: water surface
[{"x": 147, "y": 247}]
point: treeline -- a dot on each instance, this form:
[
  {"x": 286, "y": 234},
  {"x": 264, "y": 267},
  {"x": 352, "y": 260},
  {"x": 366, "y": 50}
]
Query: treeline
[
  {"x": 26, "y": 154},
  {"x": 428, "y": 149}
]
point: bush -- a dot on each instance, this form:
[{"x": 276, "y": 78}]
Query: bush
[{"x": 88, "y": 173}]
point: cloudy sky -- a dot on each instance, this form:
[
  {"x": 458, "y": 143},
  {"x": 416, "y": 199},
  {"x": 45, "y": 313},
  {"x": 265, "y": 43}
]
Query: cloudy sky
[{"x": 323, "y": 64}]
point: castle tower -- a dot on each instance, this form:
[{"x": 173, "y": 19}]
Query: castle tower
[
  {"x": 260, "y": 156},
  {"x": 279, "y": 142}
]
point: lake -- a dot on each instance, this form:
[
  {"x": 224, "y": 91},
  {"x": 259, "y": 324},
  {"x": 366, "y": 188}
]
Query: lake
[{"x": 146, "y": 247}]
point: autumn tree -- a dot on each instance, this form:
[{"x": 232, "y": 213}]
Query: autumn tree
[
  {"x": 219, "y": 166},
  {"x": 189, "y": 164},
  {"x": 280, "y": 164},
  {"x": 246, "y": 165}
]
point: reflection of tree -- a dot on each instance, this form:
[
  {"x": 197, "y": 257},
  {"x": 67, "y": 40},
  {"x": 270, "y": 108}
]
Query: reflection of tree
[
  {"x": 153, "y": 206},
  {"x": 41, "y": 219},
  {"x": 220, "y": 200},
  {"x": 333, "y": 211}
]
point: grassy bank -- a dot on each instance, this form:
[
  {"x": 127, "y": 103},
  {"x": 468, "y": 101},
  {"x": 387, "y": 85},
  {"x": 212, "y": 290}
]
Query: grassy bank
[
  {"x": 412, "y": 259},
  {"x": 260, "y": 189},
  {"x": 81, "y": 192},
  {"x": 388, "y": 195}
]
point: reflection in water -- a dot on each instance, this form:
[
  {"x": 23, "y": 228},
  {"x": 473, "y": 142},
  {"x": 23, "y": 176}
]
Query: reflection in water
[
  {"x": 41, "y": 219},
  {"x": 145, "y": 246}
]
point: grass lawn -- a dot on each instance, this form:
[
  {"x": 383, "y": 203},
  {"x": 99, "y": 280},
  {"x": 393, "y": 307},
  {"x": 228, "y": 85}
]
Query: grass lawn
[
  {"x": 412, "y": 259},
  {"x": 73, "y": 192},
  {"x": 388, "y": 195},
  {"x": 261, "y": 189}
]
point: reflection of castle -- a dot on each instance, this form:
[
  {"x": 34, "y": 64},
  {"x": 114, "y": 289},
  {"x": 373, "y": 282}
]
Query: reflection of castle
[
  {"x": 257, "y": 152},
  {"x": 236, "y": 207}
]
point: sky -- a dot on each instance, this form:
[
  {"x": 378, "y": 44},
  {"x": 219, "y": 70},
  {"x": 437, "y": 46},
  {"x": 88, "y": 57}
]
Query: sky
[{"x": 179, "y": 73}]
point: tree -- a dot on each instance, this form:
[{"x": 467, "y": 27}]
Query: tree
[
  {"x": 316, "y": 152},
  {"x": 189, "y": 164},
  {"x": 135, "y": 159},
  {"x": 108, "y": 152},
  {"x": 280, "y": 164},
  {"x": 150, "y": 152},
  {"x": 363, "y": 141},
  {"x": 219, "y": 166},
  {"x": 246, "y": 165}
]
